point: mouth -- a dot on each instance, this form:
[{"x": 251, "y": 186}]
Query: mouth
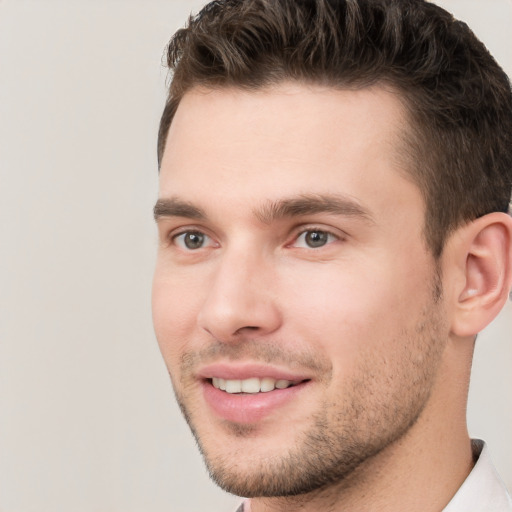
[
  {"x": 249, "y": 394},
  {"x": 252, "y": 385}
]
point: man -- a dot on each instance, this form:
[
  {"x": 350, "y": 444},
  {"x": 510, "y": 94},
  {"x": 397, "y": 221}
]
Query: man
[{"x": 332, "y": 214}]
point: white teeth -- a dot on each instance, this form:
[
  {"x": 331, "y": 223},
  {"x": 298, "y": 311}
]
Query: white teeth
[
  {"x": 219, "y": 383},
  {"x": 252, "y": 385},
  {"x": 267, "y": 384},
  {"x": 234, "y": 386}
]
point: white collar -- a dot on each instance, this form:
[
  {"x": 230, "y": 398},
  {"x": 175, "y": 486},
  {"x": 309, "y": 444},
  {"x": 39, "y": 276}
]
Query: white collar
[{"x": 483, "y": 489}]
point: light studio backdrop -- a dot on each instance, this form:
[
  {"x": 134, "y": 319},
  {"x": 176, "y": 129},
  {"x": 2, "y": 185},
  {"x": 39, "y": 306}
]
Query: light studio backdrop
[{"x": 87, "y": 416}]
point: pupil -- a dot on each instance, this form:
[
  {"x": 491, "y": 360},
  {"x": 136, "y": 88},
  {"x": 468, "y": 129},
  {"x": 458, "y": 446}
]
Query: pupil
[
  {"x": 194, "y": 240},
  {"x": 316, "y": 238}
]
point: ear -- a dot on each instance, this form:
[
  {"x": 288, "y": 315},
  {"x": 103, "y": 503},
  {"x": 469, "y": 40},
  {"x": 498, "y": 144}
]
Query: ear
[{"x": 481, "y": 258}]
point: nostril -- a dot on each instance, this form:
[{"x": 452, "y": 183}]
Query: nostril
[{"x": 246, "y": 328}]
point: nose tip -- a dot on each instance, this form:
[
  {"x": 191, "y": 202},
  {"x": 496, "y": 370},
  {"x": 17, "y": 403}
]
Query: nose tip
[
  {"x": 231, "y": 318},
  {"x": 239, "y": 303}
]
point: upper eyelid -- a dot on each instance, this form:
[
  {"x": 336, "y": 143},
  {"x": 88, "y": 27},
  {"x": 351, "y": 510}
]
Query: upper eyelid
[
  {"x": 338, "y": 233},
  {"x": 301, "y": 230},
  {"x": 308, "y": 230},
  {"x": 173, "y": 234},
  {"x": 177, "y": 232},
  {"x": 171, "y": 230}
]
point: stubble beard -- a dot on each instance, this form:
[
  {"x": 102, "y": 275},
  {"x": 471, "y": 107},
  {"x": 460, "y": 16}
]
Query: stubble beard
[{"x": 345, "y": 435}]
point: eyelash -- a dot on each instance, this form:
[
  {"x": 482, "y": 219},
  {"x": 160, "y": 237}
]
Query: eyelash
[
  {"x": 331, "y": 237},
  {"x": 313, "y": 229},
  {"x": 174, "y": 237}
]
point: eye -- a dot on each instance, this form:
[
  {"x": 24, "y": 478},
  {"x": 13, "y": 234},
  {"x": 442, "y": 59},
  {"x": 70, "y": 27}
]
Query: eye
[
  {"x": 314, "y": 238},
  {"x": 192, "y": 240}
]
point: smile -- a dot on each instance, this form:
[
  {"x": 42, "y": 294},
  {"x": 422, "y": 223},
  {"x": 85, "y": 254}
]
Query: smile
[{"x": 251, "y": 385}]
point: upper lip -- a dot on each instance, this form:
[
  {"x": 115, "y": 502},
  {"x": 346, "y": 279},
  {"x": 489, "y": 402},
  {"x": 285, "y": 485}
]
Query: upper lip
[{"x": 241, "y": 371}]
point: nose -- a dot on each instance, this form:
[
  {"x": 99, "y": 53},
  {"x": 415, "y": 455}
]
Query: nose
[{"x": 239, "y": 302}]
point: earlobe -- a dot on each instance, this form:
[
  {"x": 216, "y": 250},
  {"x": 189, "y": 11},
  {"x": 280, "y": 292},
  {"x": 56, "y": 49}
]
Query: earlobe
[{"x": 484, "y": 252}]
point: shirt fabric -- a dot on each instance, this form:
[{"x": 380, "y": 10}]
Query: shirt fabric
[{"x": 482, "y": 491}]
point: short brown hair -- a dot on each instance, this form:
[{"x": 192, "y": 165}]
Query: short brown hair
[{"x": 458, "y": 98}]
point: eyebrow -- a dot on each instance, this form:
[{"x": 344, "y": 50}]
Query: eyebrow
[
  {"x": 311, "y": 204},
  {"x": 174, "y": 207},
  {"x": 305, "y": 204}
]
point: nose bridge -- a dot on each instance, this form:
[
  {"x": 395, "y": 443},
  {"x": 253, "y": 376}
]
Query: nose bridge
[{"x": 239, "y": 296}]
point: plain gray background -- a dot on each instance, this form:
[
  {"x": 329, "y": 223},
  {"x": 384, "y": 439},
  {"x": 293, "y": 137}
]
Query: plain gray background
[{"x": 87, "y": 416}]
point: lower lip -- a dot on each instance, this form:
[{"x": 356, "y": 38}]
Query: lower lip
[{"x": 248, "y": 408}]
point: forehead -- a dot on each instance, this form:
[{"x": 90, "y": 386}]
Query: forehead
[{"x": 292, "y": 137}]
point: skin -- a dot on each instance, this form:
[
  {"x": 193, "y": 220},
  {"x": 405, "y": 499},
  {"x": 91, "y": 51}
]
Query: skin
[{"x": 359, "y": 317}]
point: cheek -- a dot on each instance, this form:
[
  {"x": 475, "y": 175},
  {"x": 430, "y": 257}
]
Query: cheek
[
  {"x": 358, "y": 305},
  {"x": 174, "y": 306}
]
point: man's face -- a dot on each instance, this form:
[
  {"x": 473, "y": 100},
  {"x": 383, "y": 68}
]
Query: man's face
[{"x": 295, "y": 302}]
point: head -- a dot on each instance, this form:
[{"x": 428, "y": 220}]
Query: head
[{"x": 332, "y": 177}]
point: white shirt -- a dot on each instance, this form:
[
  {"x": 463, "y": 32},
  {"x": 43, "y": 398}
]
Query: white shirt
[{"x": 483, "y": 490}]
